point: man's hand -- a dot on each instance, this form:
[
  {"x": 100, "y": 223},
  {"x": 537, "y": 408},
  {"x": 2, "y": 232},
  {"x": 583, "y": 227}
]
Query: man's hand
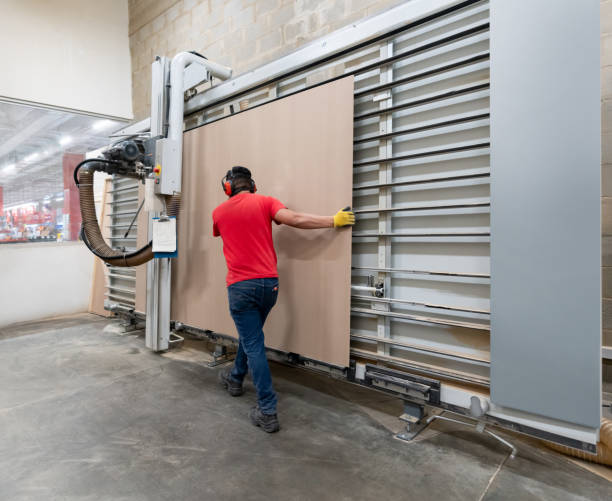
[{"x": 344, "y": 217}]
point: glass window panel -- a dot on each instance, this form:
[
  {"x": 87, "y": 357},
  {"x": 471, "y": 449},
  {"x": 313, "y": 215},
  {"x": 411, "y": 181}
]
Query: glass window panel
[{"x": 39, "y": 149}]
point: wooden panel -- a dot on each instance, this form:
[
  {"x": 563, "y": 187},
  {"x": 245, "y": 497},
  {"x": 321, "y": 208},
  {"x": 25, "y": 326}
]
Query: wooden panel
[
  {"x": 299, "y": 150},
  {"x": 98, "y": 283}
]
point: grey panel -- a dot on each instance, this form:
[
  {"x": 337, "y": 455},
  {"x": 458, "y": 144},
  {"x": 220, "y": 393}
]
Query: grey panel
[{"x": 545, "y": 205}]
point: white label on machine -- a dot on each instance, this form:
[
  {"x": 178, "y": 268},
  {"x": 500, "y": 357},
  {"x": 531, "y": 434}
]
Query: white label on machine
[{"x": 164, "y": 235}]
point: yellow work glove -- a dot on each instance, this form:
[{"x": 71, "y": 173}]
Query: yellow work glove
[{"x": 344, "y": 217}]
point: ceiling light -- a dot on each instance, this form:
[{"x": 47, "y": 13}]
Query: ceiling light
[
  {"x": 101, "y": 124},
  {"x": 8, "y": 168},
  {"x": 31, "y": 157},
  {"x": 64, "y": 140}
]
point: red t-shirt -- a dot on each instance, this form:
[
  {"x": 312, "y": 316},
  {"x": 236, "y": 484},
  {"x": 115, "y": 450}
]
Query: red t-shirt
[{"x": 244, "y": 224}]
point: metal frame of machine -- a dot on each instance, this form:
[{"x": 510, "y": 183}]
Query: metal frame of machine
[{"x": 369, "y": 49}]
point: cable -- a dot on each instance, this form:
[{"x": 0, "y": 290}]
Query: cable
[{"x": 134, "y": 218}]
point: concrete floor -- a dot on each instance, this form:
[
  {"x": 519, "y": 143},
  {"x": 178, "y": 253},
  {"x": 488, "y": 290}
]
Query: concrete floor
[{"x": 89, "y": 414}]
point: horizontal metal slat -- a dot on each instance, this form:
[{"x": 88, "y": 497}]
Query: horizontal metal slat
[
  {"x": 432, "y": 125},
  {"x": 421, "y": 318},
  {"x": 437, "y": 274},
  {"x": 421, "y": 233},
  {"x": 423, "y": 77},
  {"x": 426, "y": 152},
  {"x": 123, "y": 190},
  {"x": 428, "y": 178},
  {"x": 122, "y": 277},
  {"x": 417, "y": 303},
  {"x": 483, "y": 202},
  {"x": 423, "y": 350},
  {"x": 433, "y": 239},
  {"x": 123, "y": 299},
  {"x": 123, "y": 270},
  {"x": 122, "y": 216},
  {"x": 121, "y": 289},
  {"x": 430, "y": 370},
  {"x": 125, "y": 201},
  {"x": 434, "y": 184},
  {"x": 431, "y": 98},
  {"x": 445, "y": 38}
]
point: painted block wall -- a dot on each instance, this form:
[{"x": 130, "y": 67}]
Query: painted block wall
[{"x": 242, "y": 34}]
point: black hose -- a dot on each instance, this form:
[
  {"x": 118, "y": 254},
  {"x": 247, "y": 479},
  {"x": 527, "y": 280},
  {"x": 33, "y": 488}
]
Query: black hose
[
  {"x": 89, "y": 160},
  {"x": 125, "y": 255},
  {"x": 90, "y": 231}
]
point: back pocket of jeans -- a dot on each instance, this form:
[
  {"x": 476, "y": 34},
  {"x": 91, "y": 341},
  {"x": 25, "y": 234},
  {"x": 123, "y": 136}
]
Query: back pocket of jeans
[{"x": 242, "y": 298}]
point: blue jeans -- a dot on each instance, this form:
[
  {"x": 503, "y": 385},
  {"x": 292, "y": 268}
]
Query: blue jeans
[{"x": 250, "y": 301}]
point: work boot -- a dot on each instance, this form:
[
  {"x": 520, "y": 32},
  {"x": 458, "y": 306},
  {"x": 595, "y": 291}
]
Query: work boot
[
  {"x": 233, "y": 388},
  {"x": 268, "y": 422}
]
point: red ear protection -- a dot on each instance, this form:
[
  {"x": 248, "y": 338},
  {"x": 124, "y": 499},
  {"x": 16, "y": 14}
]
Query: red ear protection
[{"x": 227, "y": 183}]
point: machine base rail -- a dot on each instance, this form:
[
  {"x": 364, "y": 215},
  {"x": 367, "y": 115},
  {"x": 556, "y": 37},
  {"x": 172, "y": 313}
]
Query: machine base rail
[
  {"x": 400, "y": 382},
  {"x": 386, "y": 380}
]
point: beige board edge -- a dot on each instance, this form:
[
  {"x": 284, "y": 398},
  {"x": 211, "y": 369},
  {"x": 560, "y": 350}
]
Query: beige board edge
[
  {"x": 99, "y": 278},
  {"x": 142, "y": 238}
]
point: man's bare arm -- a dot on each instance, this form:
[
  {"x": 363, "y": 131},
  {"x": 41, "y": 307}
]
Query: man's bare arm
[
  {"x": 303, "y": 220},
  {"x": 343, "y": 217}
]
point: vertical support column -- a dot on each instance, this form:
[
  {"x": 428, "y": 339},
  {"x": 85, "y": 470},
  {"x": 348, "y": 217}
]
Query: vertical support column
[
  {"x": 385, "y": 150},
  {"x": 72, "y": 211},
  {"x": 156, "y": 333},
  {"x": 1, "y": 202},
  {"x": 151, "y": 339}
]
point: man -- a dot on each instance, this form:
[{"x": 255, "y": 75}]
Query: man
[{"x": 244, "y": 222}]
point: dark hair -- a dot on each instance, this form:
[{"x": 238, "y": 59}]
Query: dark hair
[
  {"x": 240, "y": 171},
  {"x": 241, "y": 184}
]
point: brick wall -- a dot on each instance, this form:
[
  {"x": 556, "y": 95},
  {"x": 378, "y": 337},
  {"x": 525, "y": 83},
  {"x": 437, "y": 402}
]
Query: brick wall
[
  {"x": 242, "y": 34},
  {"x": 606, "y": 178}
]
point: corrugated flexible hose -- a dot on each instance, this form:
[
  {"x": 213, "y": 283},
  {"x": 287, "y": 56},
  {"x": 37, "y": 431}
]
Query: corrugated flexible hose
[
  {"x": 604, "y": 446},
  {"x": 90, "y": 231}
]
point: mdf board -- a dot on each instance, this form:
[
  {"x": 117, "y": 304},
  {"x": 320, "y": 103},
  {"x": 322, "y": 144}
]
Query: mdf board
[
  {"x": 545, "y": 209},
  {"x": 299, "y": 150}
]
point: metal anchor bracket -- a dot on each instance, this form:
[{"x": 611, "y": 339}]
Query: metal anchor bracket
[{"x": 414, "y": 416}]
